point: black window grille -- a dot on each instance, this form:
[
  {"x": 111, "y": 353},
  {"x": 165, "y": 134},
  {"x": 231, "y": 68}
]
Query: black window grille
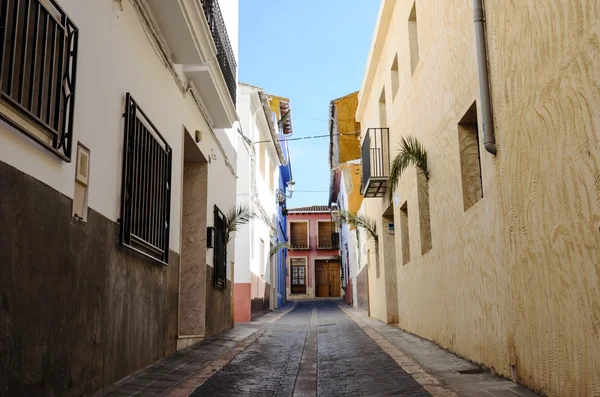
[
  {"x": 220, "y": 251},
  {"x": 146, "y": 190},
  {"x": 38, "y": 68}
]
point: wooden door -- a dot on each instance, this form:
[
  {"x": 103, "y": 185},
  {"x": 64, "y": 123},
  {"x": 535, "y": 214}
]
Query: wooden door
[
  {"x": 322, "y": 279},
  {"x": 298, "y": 282},
  {"x": 334, "y": 278}
]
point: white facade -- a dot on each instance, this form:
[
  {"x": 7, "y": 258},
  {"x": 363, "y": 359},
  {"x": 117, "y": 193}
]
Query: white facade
[
  {"x": 349, "y": 249},
  {"x": 259, "y": 158},
  {"x": 117, "y": 55}
]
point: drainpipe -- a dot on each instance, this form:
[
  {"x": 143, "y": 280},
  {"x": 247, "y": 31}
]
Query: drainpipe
[{"x": 489, "y": 139}]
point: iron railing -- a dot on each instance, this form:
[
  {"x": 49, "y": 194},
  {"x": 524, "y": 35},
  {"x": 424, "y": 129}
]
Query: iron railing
[
  {"x": 146, "y": 191},
  {"x": 225, "y": 55},
  {"x": 299, "y": 241},
  {"x": 220, "y": 250},
  {"x": 38, "y": 68},
  {"x": 328, "y": 242},
  {"x": 375, "y": 162}
]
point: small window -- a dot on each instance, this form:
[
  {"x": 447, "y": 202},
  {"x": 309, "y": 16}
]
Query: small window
[
  {"x": 261, "y": 255},
  {"x": 220, "y": 250},
  {"x": 404, "y": 235},
  {"x": 271, "y": 176},
  {"x": 146, "y": 190},
  {"x": 395, "y": 77},
  {"x": 382, "y": 110},
  {"x": 424, "y": 218},
  {"x": 262, "y": 159},
  {"x": 299, "y": 235},
  {"x": 470, "y": 161},
  {"x": 413, "y": 38},
  {"x": 38, "y": 43}
]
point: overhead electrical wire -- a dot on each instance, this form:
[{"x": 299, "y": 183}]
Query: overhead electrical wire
[{"x": 310, "y": 137}]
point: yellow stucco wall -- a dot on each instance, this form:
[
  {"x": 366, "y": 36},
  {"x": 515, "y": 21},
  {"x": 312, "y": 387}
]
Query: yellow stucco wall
[
  {"x": 515, "y": 279},
  {"x": 347, "y": 126}
]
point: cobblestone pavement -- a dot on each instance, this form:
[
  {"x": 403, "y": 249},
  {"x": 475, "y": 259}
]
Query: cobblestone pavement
[
  {"x": 314, "y": 348},
  {"x": 348, "y": 361}
]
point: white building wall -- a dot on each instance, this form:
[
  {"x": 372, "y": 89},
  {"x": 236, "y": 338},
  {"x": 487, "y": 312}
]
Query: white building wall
[
  {"x": 253, "y": 187},
  {"x": 115, "y": 56}
]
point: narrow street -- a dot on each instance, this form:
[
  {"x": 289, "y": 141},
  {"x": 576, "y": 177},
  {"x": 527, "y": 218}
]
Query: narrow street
[{"x": 314, "y": 348}]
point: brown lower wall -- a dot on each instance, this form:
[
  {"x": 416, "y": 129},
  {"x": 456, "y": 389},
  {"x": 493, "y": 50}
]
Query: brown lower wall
[
  {"x": 242, "y": 307},
  {"x": 218, "y": 305},
  {"x": 78, "y": 311},
  {"x": 362, "y": 289},
  {"x": 261, "y": 295}
]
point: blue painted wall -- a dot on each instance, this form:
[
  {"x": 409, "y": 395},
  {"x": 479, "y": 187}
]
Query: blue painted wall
[{"x": 285, "y": 175}]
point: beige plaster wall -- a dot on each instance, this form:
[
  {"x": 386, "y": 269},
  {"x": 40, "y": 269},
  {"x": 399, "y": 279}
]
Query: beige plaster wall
[
  {"x": 545, "y": 72},
  {"x": 514, "y": 280}
]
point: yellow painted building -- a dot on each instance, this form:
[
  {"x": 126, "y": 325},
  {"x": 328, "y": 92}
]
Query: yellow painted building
[
  {"x": 281, "y": 107},
  {"x": 345, "y": 190},
  {"x": 495, "y": 257}
]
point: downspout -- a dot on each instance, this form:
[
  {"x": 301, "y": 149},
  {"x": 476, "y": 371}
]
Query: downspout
[{"x": 489, "y": 138}]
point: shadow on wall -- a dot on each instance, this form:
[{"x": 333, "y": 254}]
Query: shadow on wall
[{"x": 261, "y": 295}]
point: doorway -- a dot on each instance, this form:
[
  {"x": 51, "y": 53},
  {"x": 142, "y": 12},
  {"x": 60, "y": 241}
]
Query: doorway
[
  {"x": 192, "y": 272},
  {"x": 298, "y": 271},
  {"x": 327, "y": 277}
]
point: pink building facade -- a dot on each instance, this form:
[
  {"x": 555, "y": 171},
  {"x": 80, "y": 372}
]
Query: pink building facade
[{"x": 313, "y": 262}]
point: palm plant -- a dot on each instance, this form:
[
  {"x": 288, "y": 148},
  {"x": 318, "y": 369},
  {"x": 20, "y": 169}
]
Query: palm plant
[
  {"x": 237, "y": 217},
  {"x": 361, "y": 222},
  {"x": 412, "y": 152},
  {"x": 278, "y": 246},
  {"x": 284, "y": 117}
]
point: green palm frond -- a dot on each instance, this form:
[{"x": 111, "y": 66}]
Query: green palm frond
[
  {"x": 279, "y": 246},
  {"x": 237, "y": 217},
  {"x": 284, "y": 117},
  {"x": 361, "y": 222},
  {"x": 412, "y": 153}
]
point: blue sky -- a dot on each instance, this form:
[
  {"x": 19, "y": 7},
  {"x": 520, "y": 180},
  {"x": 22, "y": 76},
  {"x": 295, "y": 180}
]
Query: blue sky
[{"x": 311, "y": 51}]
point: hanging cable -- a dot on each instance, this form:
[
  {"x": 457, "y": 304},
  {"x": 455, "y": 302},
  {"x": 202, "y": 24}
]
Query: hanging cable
[{"x": 311, "y": 137}]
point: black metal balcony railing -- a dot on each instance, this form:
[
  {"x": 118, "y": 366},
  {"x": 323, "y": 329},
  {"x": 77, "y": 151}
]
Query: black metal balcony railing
[
  {"x": 224, "y": 52},
  {"x": 38, "y": 53},
  {"x": 375, "y": 162}
]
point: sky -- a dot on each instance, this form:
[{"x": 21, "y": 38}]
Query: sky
[{"x": 310, "y": 51}]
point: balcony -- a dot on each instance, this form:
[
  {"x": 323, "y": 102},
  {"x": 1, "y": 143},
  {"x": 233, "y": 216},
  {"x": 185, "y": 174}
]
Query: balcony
[
  {"x": 299, "y": 242},
  {"x": 195, "y": 34},
  {"x": 375, "y": 162},
  {"x": 327, "y": 242}
]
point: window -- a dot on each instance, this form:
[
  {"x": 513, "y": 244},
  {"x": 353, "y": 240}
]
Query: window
[
  {"x": 394, "y": 77},
  {"x": 262, "y": 159},
  {"x": 38, "y": 65},
  {"x": 324, "y": 235},
  {"x": 404, "y": 233},
  {"x": 299, "y": 234},
  {"x": 382, "y": 110},
  {"x": 146, "y": 191},
  {"x": 220, "y": 250},
  {"x": 413, "y": 38},
  {"x": 271, "y": 176},
  {"x": 470, "y": 161},
  {"x": 298, "y": 279},
  {"x": 424, "y": 218},
  {"x": 261, "y": 255}
]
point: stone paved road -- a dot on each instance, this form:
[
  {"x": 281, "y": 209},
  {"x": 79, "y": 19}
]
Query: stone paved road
[{"x": 340, "y": 359}]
